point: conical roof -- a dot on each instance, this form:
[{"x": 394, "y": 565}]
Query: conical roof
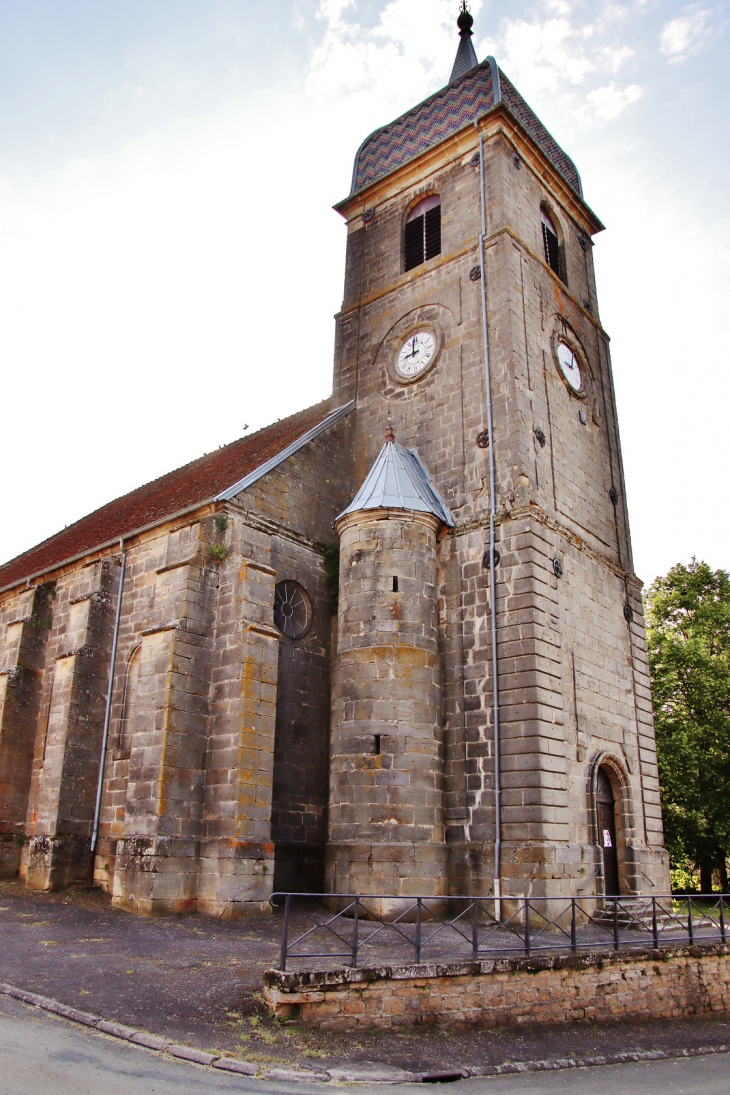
[{"x": 399, "y": 480}]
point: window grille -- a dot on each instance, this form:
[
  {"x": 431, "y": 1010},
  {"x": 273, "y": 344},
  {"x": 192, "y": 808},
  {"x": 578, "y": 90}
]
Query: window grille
[
  {"x": 552, "y": 247},
  {"x": 423, "y": 232}
]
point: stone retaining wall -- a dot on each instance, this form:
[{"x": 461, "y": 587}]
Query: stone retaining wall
[{"x": 607, "y": 986}]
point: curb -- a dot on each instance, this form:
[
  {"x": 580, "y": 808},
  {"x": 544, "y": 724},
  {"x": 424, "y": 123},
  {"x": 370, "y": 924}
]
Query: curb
[
  {"x": 633, "y": 1057},
  {"x": 342, "y": 1073},
  {"x": 152, "y": 1042}
]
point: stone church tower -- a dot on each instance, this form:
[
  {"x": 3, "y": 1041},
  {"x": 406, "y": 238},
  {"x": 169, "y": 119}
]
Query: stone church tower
[
  {"x": 470, "y": 315},
  {"x": 182, "y": 718}
]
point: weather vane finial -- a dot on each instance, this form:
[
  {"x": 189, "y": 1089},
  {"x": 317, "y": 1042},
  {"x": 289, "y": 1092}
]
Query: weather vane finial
[
  {"x": 466, "y": 58},
  {"x": 465, "y": 21}
]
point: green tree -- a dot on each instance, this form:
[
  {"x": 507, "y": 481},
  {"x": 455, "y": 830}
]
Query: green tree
[{"x": 688, "y": 617}]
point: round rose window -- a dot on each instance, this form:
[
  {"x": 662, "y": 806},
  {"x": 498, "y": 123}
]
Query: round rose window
[{"x": 292, "y": 609}]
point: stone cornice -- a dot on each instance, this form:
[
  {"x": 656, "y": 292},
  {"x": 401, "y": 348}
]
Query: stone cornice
[
  {"x": 406, "y": 279},
  {"x": 275, "y": 528},
  {"x": 472, "y": 249},
  {"x": 535, "y": 513},
  {"x": 495, "y": 123}
]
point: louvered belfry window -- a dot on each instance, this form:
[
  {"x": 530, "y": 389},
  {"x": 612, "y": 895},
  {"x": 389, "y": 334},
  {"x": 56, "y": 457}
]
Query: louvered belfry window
[
  {"x": 550, "y": 242},
  {"x": 423, "y": 231}
]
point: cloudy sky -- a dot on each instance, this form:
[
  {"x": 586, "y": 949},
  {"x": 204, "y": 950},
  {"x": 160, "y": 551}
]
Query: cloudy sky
[{"x": 170, "y": 263}]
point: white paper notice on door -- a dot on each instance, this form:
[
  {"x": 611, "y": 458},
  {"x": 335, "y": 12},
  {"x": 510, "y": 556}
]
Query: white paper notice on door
[{"x": 607, "y": 842}]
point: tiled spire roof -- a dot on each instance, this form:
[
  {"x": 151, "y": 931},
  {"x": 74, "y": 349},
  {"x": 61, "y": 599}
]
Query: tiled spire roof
[{"x": 399, "y": 480}]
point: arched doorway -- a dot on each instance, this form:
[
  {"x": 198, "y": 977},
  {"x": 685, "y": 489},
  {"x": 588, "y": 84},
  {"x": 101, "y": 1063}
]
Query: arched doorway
[{"x": 606, "y": 809}]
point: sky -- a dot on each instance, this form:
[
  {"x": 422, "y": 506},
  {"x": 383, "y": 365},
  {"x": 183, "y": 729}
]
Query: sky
[{"x": 170, "y": 263}]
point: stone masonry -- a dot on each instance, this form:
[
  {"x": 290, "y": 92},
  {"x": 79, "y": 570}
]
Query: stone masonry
[
  {"x": 352, "y": 747},
  {"x": 598, "y": 987},
  {"x": 386, "y": 807},
  {"x": 574, "y": 685}
]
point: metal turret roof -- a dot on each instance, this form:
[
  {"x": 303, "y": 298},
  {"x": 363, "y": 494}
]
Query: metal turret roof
[{"x": 399, "y": 480}]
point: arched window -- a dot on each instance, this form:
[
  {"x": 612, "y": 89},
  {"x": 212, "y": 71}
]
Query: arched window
[
  {"x": 423, "y": 231},
  {"x": 551, "y": 244},
  {"x": 131, "y": 680}
]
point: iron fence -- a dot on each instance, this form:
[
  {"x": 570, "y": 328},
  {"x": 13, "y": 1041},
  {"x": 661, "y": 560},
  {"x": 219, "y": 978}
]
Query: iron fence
[{"x": 379, "y": 929}]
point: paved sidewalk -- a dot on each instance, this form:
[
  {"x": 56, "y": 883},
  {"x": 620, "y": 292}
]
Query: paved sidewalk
[{"x": 197, "y": 981}]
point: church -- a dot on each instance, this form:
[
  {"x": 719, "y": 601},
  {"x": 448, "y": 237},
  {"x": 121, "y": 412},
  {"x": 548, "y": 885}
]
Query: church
[{"x": 392, "y": 644}]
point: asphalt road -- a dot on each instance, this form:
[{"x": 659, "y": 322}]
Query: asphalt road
[
  {"x": 41, "y": 1054},
  {"x": 197, "y": 980}
]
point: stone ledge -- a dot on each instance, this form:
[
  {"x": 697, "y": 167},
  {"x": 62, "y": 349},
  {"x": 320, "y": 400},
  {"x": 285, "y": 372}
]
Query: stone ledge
[
  {"x": 311, "y": 980},
  {"x": 605, "y": 986}
]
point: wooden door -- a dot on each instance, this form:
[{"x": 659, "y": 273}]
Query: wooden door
[{"x": 607, "y": 830}]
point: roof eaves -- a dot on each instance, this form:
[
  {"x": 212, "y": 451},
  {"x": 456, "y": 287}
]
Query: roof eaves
[
  {"x": 328, "y": 420},
  {"x": 269, "y": 465},
  {"x": 104, "y": 544},
  {"x": 498, "y": 102},
  {"x": 578, "y": 193},
  {"x": 411, "y": 110}
]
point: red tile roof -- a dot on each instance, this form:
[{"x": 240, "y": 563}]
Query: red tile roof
[{"x": 194, "y": 483}]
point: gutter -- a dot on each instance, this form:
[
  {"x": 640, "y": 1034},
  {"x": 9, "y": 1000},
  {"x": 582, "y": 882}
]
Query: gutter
[
  {"x": 492, "y": 514},
  {"x": 107, "y": 710}
]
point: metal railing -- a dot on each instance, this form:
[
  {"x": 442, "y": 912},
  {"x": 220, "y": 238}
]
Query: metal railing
[{"x": 379, "y": 929}]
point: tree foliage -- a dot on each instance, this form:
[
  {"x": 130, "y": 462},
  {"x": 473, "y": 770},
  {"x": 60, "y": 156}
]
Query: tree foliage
[{"x": 688, "y": 617}]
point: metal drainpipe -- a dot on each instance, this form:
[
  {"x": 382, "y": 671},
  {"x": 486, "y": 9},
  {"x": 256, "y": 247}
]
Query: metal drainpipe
[
  {"x": 108, "y": 710},
  {"x": 492, "y": 579}
]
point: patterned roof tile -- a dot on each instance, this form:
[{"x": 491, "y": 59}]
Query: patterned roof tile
[{"x": 445, "y": 113}]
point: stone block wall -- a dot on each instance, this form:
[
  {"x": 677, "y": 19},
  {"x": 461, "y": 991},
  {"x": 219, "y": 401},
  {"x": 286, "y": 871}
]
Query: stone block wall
[
  {"x": 573, "y": 673},
  {"x": 25, "y": 623},
  {"x": 677, "y": 983},
  {"x": 69, "y": 730},
  {"x": 197, "y": 732},
  {"x": 298, "y": 502},
  {"x": 386, "y": 832},
  {"x": 301, "y": 753},
  {"x": 237, "y": 855}
]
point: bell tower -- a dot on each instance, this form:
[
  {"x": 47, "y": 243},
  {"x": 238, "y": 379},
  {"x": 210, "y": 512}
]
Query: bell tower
[{"x": 470, "y": 316}]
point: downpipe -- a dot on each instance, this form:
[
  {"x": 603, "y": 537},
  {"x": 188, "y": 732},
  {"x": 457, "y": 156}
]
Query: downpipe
[
  {"x": 492, "y": 577},
  {"x": 107, "y": 714}
]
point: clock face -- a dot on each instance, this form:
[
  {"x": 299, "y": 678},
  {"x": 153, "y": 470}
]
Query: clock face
[
  {"x": 416, "y": 354},
  {"x": 569, "y": 366}
]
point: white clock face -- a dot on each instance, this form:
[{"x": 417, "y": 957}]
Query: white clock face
[
  {"x": 416, "y": 354},
  {"x": 569, "y": 365}
]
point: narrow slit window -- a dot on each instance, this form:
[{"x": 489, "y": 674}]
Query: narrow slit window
[
  {"x": 378, "y": 745},
  {"x": 395, "y": 583},
  {"x": 423, "y": 231},
  {"x": 551, "y": 244}
]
